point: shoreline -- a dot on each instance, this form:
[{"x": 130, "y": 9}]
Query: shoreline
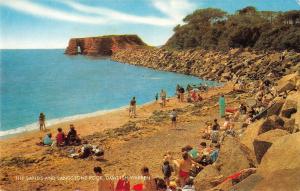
[{"x": 34, "y": 127}]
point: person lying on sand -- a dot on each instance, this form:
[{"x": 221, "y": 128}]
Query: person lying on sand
[
  {"x": 149, "y": 182},
  {"x": 104, "y": 184}
]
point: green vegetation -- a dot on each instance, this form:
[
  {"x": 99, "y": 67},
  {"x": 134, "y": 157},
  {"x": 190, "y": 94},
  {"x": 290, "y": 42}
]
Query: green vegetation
[{"x": 215, "y": 29}]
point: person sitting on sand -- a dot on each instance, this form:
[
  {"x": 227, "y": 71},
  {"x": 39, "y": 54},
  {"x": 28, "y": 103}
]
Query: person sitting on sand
[
  {"x": 149, "y": 182},
  {"x": 72, "y": 137},
  {"x": 132, "y": 107},
  {"x": 47, "y": 139},
  {"x": 42, "y": 121},
  {"x": 185, "y": 166},
  {"x": 204, "y": 152},
  {"x": 60, "y": 137},
  {"x": 104, "y": 184},
  {"x": 167, "y": 171},
  {"x": 173, "y": 116},
  {"x": 207, "y": 131},
  {"x": 215, "y": 132},
  {"x": 227, "y": 124}
]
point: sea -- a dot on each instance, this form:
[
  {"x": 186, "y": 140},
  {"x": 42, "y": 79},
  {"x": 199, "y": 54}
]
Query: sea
[{"x": 70, "y": 87}]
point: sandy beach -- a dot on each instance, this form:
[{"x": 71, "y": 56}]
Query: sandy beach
[{"x": 126, "y": 153}]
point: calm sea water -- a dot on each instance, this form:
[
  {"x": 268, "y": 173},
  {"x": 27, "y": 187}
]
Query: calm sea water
[{"x": 34, "y": 81}]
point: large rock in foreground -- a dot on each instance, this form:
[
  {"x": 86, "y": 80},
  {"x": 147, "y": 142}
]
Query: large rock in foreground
[
  {"x": 284, "y": 154},
  {"x": 102, "y": 45},
  {"x": 264, "y": 141},
  {"x": 233, "y": 157}
]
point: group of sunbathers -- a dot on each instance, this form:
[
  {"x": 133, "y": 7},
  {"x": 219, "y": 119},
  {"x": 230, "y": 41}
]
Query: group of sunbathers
[{"x": 72, "y": 138}]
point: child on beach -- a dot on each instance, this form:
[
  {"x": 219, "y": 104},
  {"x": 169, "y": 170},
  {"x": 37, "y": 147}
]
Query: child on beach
[
  {"x": 47, "y": 139},
  {"x": 132, "y": 107},
  {"x": 42, "y": 120},
  {"x": 167, "y": 171},
  {"x": 173, "y": 116}
]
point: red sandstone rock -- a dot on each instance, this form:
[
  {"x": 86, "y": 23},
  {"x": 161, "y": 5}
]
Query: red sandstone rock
[{"x": 102, "y": 45}]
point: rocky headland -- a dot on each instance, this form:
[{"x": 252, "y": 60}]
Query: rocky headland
[
  {"x": 214, "y": 65},
  {"x": 102, "y": 45}
]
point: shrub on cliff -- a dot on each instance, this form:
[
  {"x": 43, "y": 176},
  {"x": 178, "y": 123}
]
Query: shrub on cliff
[{"x": 216, "y": 29}]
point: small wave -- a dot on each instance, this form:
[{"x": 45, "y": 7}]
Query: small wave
[{"x": 35, "y": 126}]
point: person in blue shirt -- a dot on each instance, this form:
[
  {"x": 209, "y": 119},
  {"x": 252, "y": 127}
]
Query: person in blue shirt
[{"x": 47, "y": 139}]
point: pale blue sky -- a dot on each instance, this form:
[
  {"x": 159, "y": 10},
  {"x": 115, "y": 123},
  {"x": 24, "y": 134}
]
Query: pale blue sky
[{"x": 50, "y": 23}]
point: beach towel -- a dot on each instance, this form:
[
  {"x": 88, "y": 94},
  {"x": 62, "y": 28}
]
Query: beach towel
[{"x": 138, "y": 187}]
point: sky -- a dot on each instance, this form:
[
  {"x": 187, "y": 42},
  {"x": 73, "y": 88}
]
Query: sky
[{"x": 29, "y": 24}]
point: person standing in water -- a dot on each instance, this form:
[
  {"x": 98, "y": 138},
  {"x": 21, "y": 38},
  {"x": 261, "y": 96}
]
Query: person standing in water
[
  {"x": 132, "y": 107},
  {"x": 222, "y": 106},
  {"x": 156, "y": 97},
  {"x": 42, "y": 121}
]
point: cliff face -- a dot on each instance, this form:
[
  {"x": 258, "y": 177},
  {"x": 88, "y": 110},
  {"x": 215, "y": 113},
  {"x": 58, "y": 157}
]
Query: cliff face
[
  {"x": 103, "y": 45},
  {"x": 213, "y": 65}
]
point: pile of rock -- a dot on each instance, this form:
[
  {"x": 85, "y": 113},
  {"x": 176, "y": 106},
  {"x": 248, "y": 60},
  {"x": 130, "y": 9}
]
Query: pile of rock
[
  {"x": 213, "y": 65},
  {"x": 271, "y": 145}
]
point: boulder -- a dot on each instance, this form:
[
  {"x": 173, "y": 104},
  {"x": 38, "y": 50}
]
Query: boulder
[
  {"x": 273, "y": 122},
  {"x": 276, "y": 107},
  {"x": 249, "y": 183},
  {"x": 207, "y": 178},
  {"x": 233, "y": 157},
  {"x": 264, "y": 141},
  {"x": 250, "y": 134},
  {"x": 284, "y": 179},
  {"x": 290, "y": 105},
  {"x": 282, "y": 155},
  {"x": 287, "y": 83},
  {"x": 289, "y": 124}
]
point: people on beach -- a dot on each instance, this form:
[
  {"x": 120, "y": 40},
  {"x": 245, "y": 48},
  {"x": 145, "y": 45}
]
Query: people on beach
[
  {"x": 163, "y": 97},
  {"x": 123, "y": 184},
  {"x": 222, "y": 106},
  {"x": 173, "y": 116},
  {"x": 156, "y": 97},
  {"x": 47, "y": 139},
  {"x": 181, "y": 94},
  {"x": 60, "y": 137},
  {"x": 42, "y": 121},
  {"x": 132, "y": 107},
  {"x": 149, "y": 182},
  {"x": 185, "y": 166},
  {"x": 104, "y": 184},
  {"x": 72, "y": 137},
  {"x": 167, "y": 171}
]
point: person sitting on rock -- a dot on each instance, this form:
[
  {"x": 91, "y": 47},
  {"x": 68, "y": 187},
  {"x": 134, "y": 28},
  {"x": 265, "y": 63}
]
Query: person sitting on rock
[
  {"x": 207, "y": 131},
  {"x": 60, "y": 137},
  {"x": 215, "y": 133}
]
